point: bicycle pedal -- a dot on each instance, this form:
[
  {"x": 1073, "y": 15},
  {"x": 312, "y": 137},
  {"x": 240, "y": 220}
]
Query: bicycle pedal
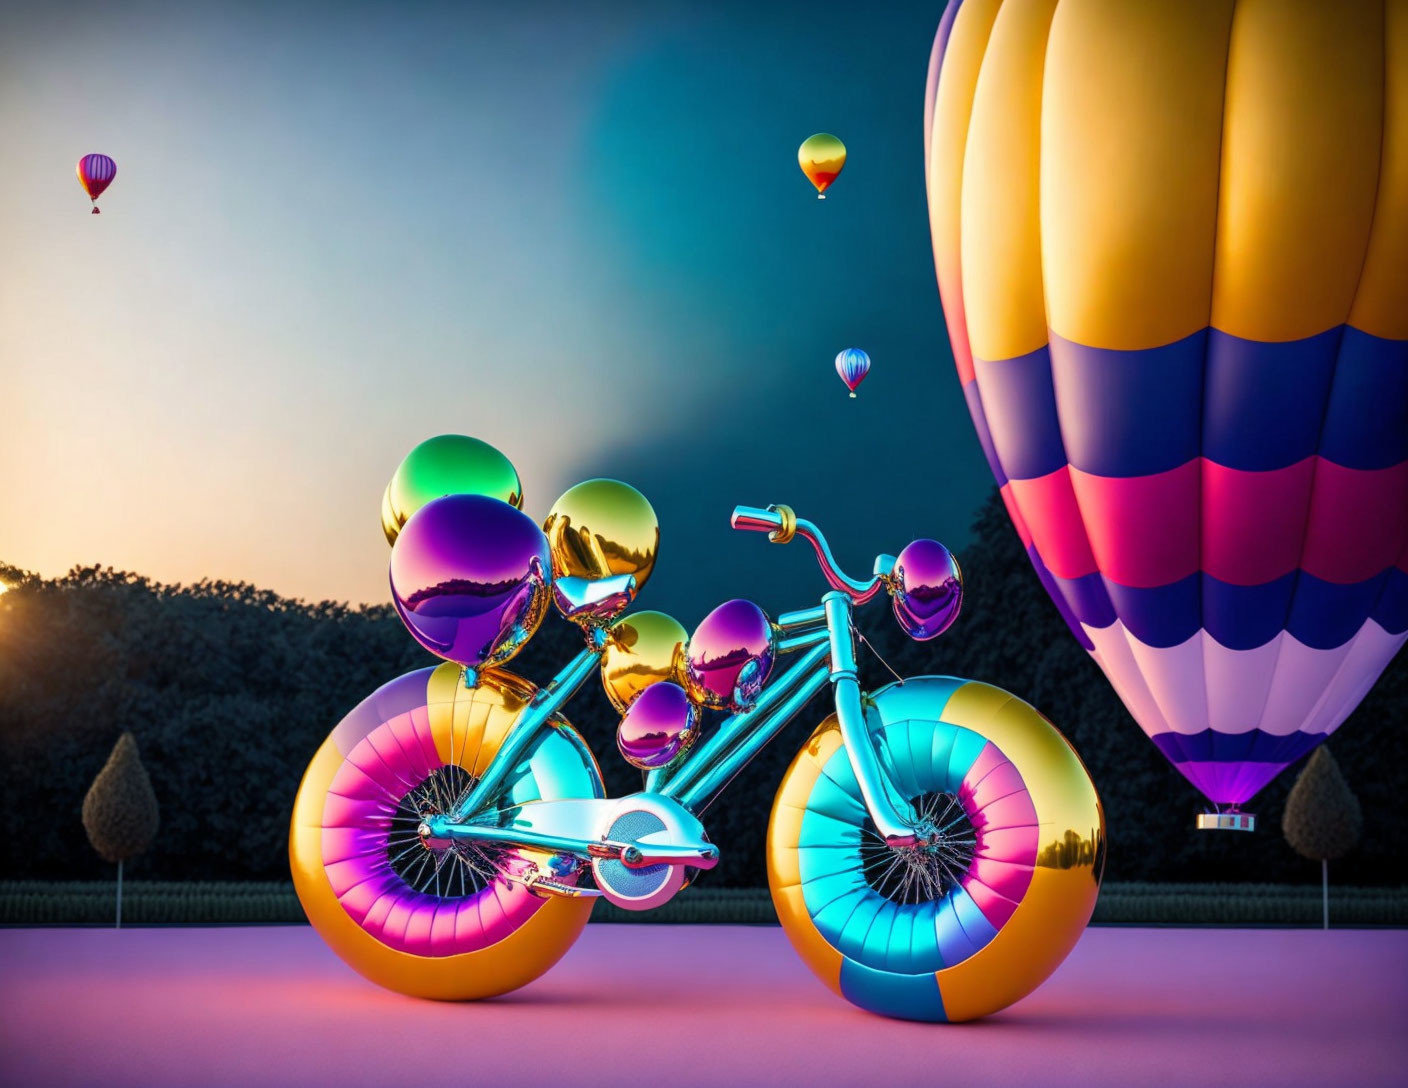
[
  {"x": 543, "y": 887},
  {"x": 569, "y": 891}
]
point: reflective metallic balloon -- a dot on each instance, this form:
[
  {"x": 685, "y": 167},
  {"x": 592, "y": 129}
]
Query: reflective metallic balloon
[
  {"x": 658, "y": 728},
  {"x": 928, "y": 589},
  {"x": 642, "y": 649},
  {"x": 449, "y": 464},
  {"x": 470, "y": 578},
  {"x": 822, "y": 158},
  {"x": 730, "y": 655},
  {"x": 603, "y": 527}
]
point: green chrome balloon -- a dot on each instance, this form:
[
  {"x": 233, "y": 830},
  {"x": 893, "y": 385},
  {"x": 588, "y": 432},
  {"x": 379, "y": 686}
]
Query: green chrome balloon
[{"x": 448, "y": 464}]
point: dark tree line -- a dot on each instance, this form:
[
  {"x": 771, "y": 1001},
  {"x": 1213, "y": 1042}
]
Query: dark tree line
[{"x": 230, "y": 689}]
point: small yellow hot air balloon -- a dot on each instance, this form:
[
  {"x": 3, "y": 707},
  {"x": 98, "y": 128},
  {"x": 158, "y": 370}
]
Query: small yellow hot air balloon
[{"x": 822, "y": 158}]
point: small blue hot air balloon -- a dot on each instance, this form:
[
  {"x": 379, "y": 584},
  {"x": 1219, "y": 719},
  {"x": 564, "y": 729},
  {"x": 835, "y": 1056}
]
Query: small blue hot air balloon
[{"x": 853, "y": 365}]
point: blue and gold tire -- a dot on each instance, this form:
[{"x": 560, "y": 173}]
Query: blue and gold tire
[{"x": 1011, "y": 898}]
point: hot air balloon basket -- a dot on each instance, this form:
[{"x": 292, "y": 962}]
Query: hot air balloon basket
[{"x": 1226, "y": 821}]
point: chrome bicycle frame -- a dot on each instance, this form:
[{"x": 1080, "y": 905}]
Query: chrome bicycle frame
[{"x": 823, "y": 636}]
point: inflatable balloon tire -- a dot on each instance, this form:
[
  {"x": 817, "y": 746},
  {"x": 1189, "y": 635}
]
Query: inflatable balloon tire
[
  {"x": 346, "y": 831},
  {"x": 1018, "y": 907}
]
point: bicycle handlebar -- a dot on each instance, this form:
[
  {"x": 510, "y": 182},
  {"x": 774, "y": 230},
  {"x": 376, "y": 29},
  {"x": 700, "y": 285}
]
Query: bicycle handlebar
[
  {"x": 752, "y": 519},
  {"x": 782, "y": 524}
]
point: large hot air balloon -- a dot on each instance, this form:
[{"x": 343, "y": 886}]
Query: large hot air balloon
[
  {"x": 95, "y": 173},
  {"x": 1172, "y": 246}
]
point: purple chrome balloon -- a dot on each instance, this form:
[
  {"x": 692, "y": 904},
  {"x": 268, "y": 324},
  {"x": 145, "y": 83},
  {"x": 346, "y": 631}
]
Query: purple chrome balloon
[
  {"x": 658, "y": 727},
  {"x": 730, "y": 655},
  {"x": 470, "y": 577},
  {"x": 928, "y": 589}
]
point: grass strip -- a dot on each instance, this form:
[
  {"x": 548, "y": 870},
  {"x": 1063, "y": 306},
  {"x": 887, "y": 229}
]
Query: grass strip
[{"x": 33, "y": 903}]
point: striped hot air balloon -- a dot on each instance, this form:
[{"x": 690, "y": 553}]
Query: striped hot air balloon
[
  {"x": 95, "y": 174},
  {"x": 852, "y": 365},
  {"x": 1172, "y": 247}
]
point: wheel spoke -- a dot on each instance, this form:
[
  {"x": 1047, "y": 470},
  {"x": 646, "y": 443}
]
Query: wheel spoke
[
  {"x": 420, "y": 864},
  {"x": 407, "y": 852}
]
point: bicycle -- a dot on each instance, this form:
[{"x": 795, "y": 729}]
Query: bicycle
[{"x": 934, "y": 850}]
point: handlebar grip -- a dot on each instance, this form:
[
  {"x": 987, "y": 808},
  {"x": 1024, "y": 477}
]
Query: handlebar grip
[
  {"x": 778, "y": 521},
  {"x": 753, "y": 519}
]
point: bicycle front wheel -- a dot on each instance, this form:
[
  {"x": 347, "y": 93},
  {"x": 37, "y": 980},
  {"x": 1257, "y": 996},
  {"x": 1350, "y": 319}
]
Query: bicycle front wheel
[{"x": 980, "y": 918}]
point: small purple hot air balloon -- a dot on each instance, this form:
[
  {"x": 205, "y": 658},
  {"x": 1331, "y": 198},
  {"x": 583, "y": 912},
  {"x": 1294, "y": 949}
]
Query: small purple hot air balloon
[
  {"x": 853, "y": 365},
  {"x": 95, "y": 173}
]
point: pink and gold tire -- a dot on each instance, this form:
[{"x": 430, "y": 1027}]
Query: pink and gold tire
[
  {"x": 1012, "y": 911},
  {"x": 350, "y": 835}
]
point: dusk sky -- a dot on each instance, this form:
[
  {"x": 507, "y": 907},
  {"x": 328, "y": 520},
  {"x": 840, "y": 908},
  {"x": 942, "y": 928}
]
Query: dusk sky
[{"x": 577, "y": 231}]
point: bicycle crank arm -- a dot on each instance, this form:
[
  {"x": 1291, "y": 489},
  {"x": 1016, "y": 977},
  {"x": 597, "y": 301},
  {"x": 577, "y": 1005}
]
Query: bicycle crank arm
[
  {"x": 696, "y": 855},
  {"x": 644, "y": 853}
]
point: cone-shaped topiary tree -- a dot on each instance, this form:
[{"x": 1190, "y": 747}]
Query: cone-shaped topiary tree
[
  {"x": 120, "y": 812},
  {"x": 1322, "y": 819}
]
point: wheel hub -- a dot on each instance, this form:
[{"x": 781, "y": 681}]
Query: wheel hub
[
  {"x": 445, "y": 868},
  {"x": 934, "y": 865}
]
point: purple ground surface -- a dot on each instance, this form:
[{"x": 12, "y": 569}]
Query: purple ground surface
[{"x": 684, "y": 1005}]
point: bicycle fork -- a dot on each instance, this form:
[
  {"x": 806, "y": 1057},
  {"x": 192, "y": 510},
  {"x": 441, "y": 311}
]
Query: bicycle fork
[{"x": 893, "y": 816}]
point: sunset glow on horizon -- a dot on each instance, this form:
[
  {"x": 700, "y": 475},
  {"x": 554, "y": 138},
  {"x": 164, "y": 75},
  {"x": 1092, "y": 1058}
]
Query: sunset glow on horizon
[{"x": 331, "y": 238}]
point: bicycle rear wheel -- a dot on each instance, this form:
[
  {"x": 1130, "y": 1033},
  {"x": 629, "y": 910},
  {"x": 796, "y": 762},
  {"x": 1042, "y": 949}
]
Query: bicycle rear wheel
[
  {"x": 966, "y": 927},
  {"x": 432, "y": 919}
]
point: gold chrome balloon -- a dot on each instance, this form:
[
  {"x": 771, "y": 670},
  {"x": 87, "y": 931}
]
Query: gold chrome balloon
[
  {"x": 448, "y": 464},
  {"x": 602, "y": 527},
  {"x": 641, "y": 649}
]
